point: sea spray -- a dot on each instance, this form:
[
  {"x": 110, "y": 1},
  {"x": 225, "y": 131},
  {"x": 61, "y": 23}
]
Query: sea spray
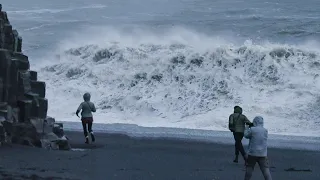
[{"x": 182, "y": 78}]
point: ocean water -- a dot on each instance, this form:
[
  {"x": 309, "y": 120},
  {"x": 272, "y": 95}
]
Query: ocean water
[{"x": 177, "y": 63}]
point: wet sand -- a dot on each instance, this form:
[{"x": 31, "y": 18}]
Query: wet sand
[{"x": 119, "y": 157}]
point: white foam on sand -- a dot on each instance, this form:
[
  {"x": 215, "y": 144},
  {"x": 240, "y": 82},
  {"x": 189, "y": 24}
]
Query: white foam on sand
[{"x": 222, "y": 137}]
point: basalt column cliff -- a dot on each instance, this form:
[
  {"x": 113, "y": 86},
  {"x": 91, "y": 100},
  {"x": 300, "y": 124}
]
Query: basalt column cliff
[{"x": 23, "y": 106}]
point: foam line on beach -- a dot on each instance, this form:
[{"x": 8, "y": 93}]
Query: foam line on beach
[{"x": 221, "y": 137}]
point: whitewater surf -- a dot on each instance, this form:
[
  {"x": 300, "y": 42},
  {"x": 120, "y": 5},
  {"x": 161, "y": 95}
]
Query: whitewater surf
[{"x": 182, "y": 78}]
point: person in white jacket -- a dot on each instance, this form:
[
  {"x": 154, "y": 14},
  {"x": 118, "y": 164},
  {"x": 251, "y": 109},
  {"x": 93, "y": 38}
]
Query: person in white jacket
[
  {"x": 86, "y": 108},
  {"x": 257, "y": 149}
]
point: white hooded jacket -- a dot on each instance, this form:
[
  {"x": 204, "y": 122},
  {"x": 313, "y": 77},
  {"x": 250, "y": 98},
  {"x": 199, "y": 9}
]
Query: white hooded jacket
[{"x": 258, "y": 137}]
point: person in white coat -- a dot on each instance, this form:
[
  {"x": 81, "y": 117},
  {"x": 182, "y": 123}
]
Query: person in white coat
[{"x": 257, "y": 149}]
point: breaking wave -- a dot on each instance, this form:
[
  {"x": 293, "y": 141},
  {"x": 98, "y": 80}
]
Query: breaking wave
[
  {"x": 182, "y": 78},
  {"x": 53, "y": 11}
]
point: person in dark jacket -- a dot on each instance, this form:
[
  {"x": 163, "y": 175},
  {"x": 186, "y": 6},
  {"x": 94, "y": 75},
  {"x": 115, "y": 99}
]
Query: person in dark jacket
[
  {"x": 237, "y": 122},
  {"x": 86, "y": 109}
]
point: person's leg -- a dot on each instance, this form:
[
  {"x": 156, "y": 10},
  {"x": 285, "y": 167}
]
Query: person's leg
[
  {"x": 240, "y": 146},
  {"x": 248, "y": 175},
  {"x": 250, "y": 163},
  {"x": 85, "y": 132},
  {"x": 90, "y": 130},
  {"x": 236, "y": 150},
  {"x": 90, "y": 126},
  {"x": 264, "y": 167},
  {"x": 84, "y": 126}
]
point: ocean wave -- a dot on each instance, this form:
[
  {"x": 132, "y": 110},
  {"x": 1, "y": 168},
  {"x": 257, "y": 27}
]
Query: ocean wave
[
  {"x": 182, "y": 78},
  {"x": 45, "y": 24},
  {"x": 53, "y": 11}
]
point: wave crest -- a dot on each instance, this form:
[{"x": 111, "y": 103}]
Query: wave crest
[{"x": 179, "y": 80}]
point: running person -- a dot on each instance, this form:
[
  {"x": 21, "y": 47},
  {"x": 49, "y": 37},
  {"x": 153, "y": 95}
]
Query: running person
[
  {"x": 86, "y": 108},
  {"x": 237, "y": 122}
]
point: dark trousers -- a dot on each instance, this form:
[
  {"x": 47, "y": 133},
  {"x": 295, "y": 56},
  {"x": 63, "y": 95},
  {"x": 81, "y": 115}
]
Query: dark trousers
[
  {"x": 264, "y": 167},
  {"x": 238, "y": 136},
  {"x": 87, "y": 122}
]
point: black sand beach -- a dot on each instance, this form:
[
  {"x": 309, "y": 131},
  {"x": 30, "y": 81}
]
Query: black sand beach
[{"x": 116, "y": 156}]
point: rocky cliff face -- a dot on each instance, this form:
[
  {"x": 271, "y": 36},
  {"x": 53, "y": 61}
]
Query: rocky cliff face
[{"x": 23, "y": 105}]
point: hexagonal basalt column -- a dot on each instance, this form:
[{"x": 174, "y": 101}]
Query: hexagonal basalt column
[{"x": 5, "y": 64}]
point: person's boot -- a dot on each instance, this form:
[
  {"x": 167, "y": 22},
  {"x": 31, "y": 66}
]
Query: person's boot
[
  {"x": 92, "y": 137},
  {"x": 87, "y": 140},
  {"x": 236, "y": 159}
]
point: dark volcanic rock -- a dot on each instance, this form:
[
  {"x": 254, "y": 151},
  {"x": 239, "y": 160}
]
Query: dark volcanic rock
[
  {"x": 24, "y": 83},
  {"x": 4, "y": 72},
  {"x": 23, "y": 105},
  {"x": 12, "y": 99},
  {"x": 25, "y": 110},
  {"x": 1, "y": 90},
  {"x": 48, "y": 124},
  {"x": 43, "y": 108},
  {"x": 33, "y": 75},
  {"x": 25, "y": 134},
  {"x": 2, "y": 134},
  {"x": 39, "y": 87},
  {"x": 58, "y": 129}
]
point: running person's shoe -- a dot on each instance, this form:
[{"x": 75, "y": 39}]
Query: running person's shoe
[{"x": 92, "y": 137}]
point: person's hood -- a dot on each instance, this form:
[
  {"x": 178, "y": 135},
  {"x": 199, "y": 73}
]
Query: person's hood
[
  {"x": 86, "y": 97},
  {"x": 237, "y": 109},
  {"x": 258, "y": 121}
]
